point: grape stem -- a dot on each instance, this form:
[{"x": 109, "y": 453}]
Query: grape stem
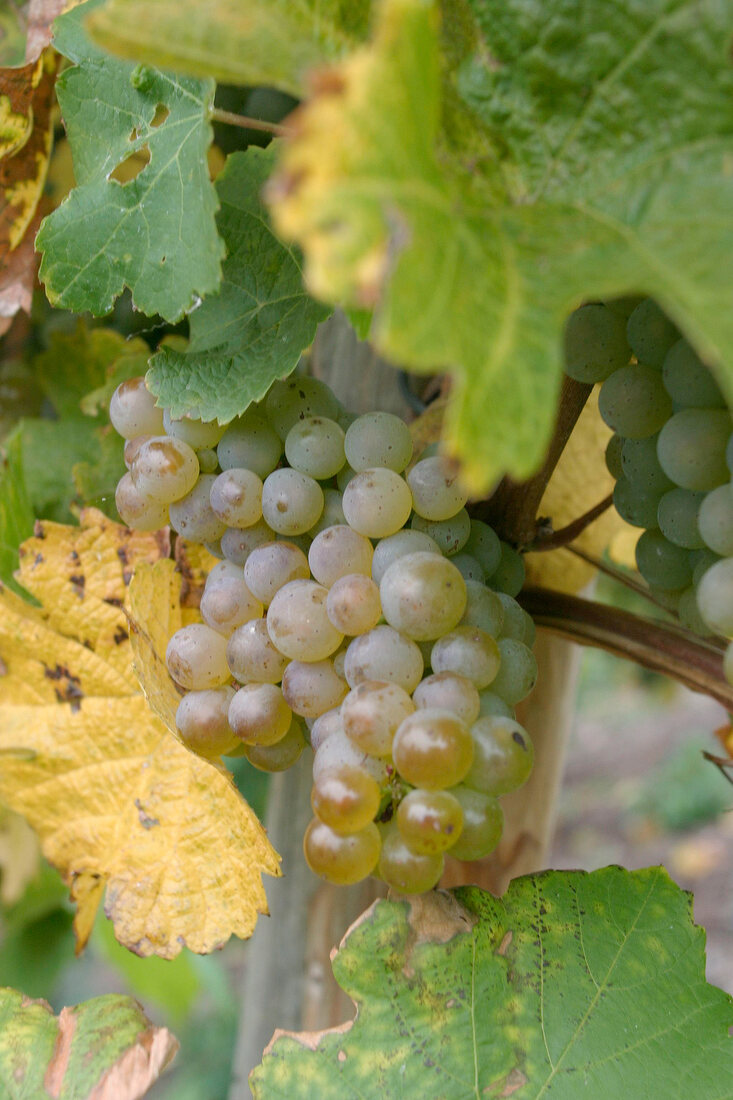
[
  {"x": 246, "y": 123},
  {"x": 547, "y": 539},
  {"x": 660, "y": 647}
]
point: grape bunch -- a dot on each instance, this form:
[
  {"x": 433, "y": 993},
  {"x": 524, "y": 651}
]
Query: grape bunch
[
  {"x": 357, "y": 607},
  {"x": 671, "y": 455}
]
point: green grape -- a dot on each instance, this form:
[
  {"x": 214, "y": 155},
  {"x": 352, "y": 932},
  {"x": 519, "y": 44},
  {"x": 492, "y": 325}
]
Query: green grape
[
  {"x": 483, "y": 824},
  {"x": 432, "y": 749},
  {"x": 715, "y": 520},
  {"x": 315, "y": 446},
  {"x": 469, "y": 651},
  {"x": 650, "y": 333},
  {"x": 640, "y": 464},
  {"x": 236, "y": 497},
  {"x": 635, "y": 503},
  {"x": 396, "y": 546},
  {"x": 677, "y": 518},
  {"x": 429, "y": 822},
  {"x": 133, "y": 412},
  {"x": 436, "y": 491},
  {"x": 164, "y": 469},
  {"x": 595, "y": 343},
  {"x": 515, "y": 624},
  {"x": 530, "y": 630},
  {"x": 196, "y": 657},
  {"x": 227, "y": 603},
  {"x": 484, "y": 608},
  {"x": 517, "y": 673},
  {"x": 291, "y": 502},
  {"x": 249, "y": 443},
  {"x": 138, "y": 510},
  {"x": 332, "y": 514},
  {"x": 310, "y": 688},
  {"x": 237, "y": 544},
  {"x": 251, "y": 656},
  {"x": 259, "y": 715},
  {"x": 353, "y": 604},
  {"x": 689, "y": 613},
  {"x": 371, "y": 713},
  {"x": 342, "y": 860},
  {"x": 423, "y": 595},
  {"x": 661, "y": 563},
  {"x": 338, "y": 751},
  {"x": 197, "y": 433},
  {"x": 202, "y": 720},
  {"x": 613, "y": 456},
  {"x": 378, "y": 439},
  {"x": 451, "y": 535},
  {"x": 688, "y": 381},
  {"x": 344, "y": 476},
  {"x": 691, "y": 448},
  {"x": 634, "y": 402},
  {"x": 193, "y": 517},
  {"x": 469, "y": 567},
  {"x": 483, "y": 544},
  {"x": 509, "y": 577},
  {"x": 405, "y": 870},
  {"x": 377, "y": 503},
  {"x": 295, "y": 399},
  {"x": 337, "y": 552},
  {"x": 715, "y": 597},
  {"x": 490, "y": 706},
  {"x": 346, "y": 799},
  {"x": 384, "y": 654},
  {"x": 271, "y": 566},
  {"x": 502, "y": 756},
  {"x": 728, "y": 663},
  {"x": 208, "y": 460},
  {"x": 623, "y": 306},
  {"x": 298, "y": 623},
  {"x": 701, "y": 560},
  {"x": 448, "y": 691},
  {"x": 280, "y": 756}
]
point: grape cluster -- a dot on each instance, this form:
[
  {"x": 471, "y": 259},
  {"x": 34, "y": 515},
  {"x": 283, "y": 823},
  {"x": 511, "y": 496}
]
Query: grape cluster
[
  {"x": 356, "y": 606},
  {"x": 671, "y": 455}
]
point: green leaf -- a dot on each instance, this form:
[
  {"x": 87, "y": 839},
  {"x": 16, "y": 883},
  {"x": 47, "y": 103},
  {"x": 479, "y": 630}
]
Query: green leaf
[
  {"x": 16, "y": 513},
  {"x": 260, "y": 42},
  {"x": 257, "y": 325},
  {"x": 572, "y": 985},
  {"x": 106, "y": 1043},
  {"x": 155, "y": 233},
  {"x": 51, "y": 449},
  {"x": 562, "y": 159}
]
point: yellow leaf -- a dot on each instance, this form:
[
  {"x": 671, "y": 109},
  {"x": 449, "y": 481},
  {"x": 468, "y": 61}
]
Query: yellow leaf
[
  {"x": 20, "y": 856},
  {"x": 116, "y": 799}
]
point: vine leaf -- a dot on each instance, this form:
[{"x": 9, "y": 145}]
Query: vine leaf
[
  {"x": 571, "y": 985},
  {"x": 474, "y": 208},
  {"x": 117, "y": 801},
  {"x": 255, "y": 327},
  {"x": 154, "y": 233},
  {"x": 104, "y": 1048}
]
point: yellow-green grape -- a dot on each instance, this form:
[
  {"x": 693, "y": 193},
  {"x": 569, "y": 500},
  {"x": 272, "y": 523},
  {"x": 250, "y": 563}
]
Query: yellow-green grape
[
  {"x": 429, "y": 821},
  {"x": 469, "y": 567},
  {"x": 716, "y": 520},
  {"x": 338, "y": 551},
  {"x": 633, "y": 401},
  {"x": 517, "y": 673},
  {"x": 613, "y": 456},
  {"x": 339, "y": 657},
  {"x": 483, "y": 824},
  {"x": 650, "y": 332},
  {"x": 515, "y": 621},
  {"x": 250, "y": 443},
  {"x": 371, "y": 714},
  {"x": 196, "y": 657},
  {"x": 291, "y": 502},
  {"x": 252, "y": 657},
  {"x": 271, "y": 566},
  {"x": 208, "y": 460},
  {"x": 689, "y": 613},
  {"x": 132, "y": 446},
  {"x": 728, "y": 664},
  {"x": 332, "y": 514},
  {"x": 280, "y": 756},
  {"x": 236, "y": 497},
  {"x": 197, "y": 433},
  {"x": 451, "y": 535},
  {"x": 396, "y": 546},
  {"x": 484, "y": 544},
  {"x": 202, "y": 719},
  {"x": 323, "y": 726},
  {"x": 311, "y": 688},
  {"x": 342, "y": 860},
  {"x": 132, "y": 410},
  {"x": 193, "y": 516},
  {"x": 490, "y": 705},
  {"x": 378, "y": 439},
  {"x": 595, "y": 343},
  {"x": 423, "y": 595},
  {"x": 502, "y": 756},
  {"x": 510, "y": 574},
  {"x": 346, "y": 799},
  {"x": 433, "y": 749},
  {"x": 384, "y": 654},
  {"x": 315, "y": 446},
  {"x": 469, "y": 651},
  {"x": 688, "y": 381},
  {"x": 259, "y": 715},
  {"x": 138, "y": 510},
  {"x": 338, "y": 751},
  {"x": 661, "y": 563},
  {"x": 353, "y": 604},
  {"x": 448, "y": 691},
  {"x": 295, "y": 399},
  {"x": 484, "y": 608},
  {"x": 405, "y": 870},
  {"x": 298, "y": 624},
  {"x": 692, "y": 448},
  {"x": 164, "y": 469},
  {"x": 715, "y": 597},
  {"x": 344, "y": 476},
  {"x": 377, "y": 503},
  {"x": 238, "y": 544},
  {"x": 227, "y": 603},
  {"x": 437, "y": 493}
]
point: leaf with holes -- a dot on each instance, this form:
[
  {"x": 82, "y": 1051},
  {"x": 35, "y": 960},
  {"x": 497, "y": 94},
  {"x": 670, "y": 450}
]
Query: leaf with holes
[
  {"x": 254, "y": 329},
  {"x": 155, "y": 232},
  {"x": 572, "y": 985}
]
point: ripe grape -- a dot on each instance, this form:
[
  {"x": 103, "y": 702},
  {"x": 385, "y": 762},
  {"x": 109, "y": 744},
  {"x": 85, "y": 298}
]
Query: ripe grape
[
  {"x": 227, "y": 603},
  {"x": 338, "y": 750},
  {"x": 280, "y": 756},
  {"x": 252, "y": 657},
  {"x": 490, "y": 705},
  {"x": 196, "y": 657},
  {"x": 271, "y": 566},
  {"x": 502, "y": 756},
  {"x": 517, "y": 673},
  {"x": 448, "y": 691},
  {"x": 432, "y": 749},
  {"x": 298, "y": 623},
  {"x": 384, "y": 654},
  {"x": 715, "y": 520},
  {"x": 377, "y": 503},
  {"x": 353, "y": 604},
  {"x": 485, "y": 608},
  {"x": 515, "y": 624},
  {"x": 203, "y": 722},
  {"x": 197, "y": 433},
  {"x": 297, "y": 398},
  {"x": 451, "y": 535},
  {"x": 371, "y": 713},
  {"x": 164, "y": 469},
  {"x": 315, "y": 446},
  {"x": 405, "y": 870},
  {"x": 339, "y": 551},
  {"x": 238, "y": 544},
  {"x": 470, "y": 651},
  {"x": 469, "y": 567},
  {"x": 133, "y": 412},
  {"x": 236, "y": 497},
  {"x": 436, "y": 490},
  {"x": 342, "y": 860},
  {"x": 332, "y": 514},
  {"x": 389, "y": 549},
  {"x": 259, "y": 715},
  {"x": 250, "y": 443},
  {"x": 324, "y": 726},
  {"x": 312, "y": 687},
  {"x": 193, "y": 515},
  {"x": 346, "y": 799},
  {"x": 429, "y": 821},
  {"x": 291, "y": 502},
  {"x": 715, "y": 597},
  {"x": 378, "y": 439},
  {"x": 138, "y": 510},
  {"x": 423, "y": 595},
  {"x": 483, "y": 824}
]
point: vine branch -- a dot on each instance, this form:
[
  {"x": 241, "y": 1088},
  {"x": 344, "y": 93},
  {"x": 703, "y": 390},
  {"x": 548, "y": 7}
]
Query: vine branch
[
  {"x": 247, "y": 123},
  {"x": 547, "y": 539}
]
